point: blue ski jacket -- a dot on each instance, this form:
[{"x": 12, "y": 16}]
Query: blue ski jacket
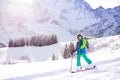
[{"x": 80, "y": 47}]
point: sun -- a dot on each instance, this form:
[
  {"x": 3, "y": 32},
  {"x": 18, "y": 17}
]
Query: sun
[{"x": 25, "y": 1}]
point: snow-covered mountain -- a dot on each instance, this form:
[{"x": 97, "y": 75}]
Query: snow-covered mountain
[
  {"x": 61, "y": 17},
  {"x": 109, "y": 23}
]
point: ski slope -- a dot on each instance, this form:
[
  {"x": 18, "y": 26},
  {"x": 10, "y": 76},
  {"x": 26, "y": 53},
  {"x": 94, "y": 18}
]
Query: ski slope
[
  {"x": 105, "y": 55},
  {"x": 107, "y": 61}
]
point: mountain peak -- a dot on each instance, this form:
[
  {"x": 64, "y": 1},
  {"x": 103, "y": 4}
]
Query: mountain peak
[
  {"x": 79, "y": 4},
  {"x": 100, "y": 7}
]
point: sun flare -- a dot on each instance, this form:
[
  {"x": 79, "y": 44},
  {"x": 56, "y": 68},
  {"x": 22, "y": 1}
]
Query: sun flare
[{"x": 25, "y": 1}]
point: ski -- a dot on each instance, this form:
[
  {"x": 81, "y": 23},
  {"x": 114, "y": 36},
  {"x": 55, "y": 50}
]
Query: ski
[{"x": 86, "y": 69}]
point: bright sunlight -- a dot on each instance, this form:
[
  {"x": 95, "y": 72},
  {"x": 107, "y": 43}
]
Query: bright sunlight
[{"x": 25, "y": 1}]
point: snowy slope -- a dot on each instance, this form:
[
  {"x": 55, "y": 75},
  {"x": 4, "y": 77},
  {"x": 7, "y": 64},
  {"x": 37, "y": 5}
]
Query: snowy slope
[
  {"x": 107, "y": 61},
  {"x": 111, "y": 42},
  {"x": 34, "y": 54},
  {"x": 3, "y": 55},
  {"x": 105, "y": 55}
]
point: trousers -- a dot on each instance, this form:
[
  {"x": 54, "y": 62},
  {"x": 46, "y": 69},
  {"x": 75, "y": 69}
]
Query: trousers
[{"x": 85, "y": 57}]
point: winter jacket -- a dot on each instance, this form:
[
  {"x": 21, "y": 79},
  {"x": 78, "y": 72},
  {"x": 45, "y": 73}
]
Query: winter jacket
[{"x": 80, "y": 47}]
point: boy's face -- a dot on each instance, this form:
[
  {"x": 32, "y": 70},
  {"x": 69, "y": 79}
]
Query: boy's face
[{"x": 79, "y": 37}]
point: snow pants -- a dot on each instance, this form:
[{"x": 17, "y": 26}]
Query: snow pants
[{"x": 85, "y": 57}]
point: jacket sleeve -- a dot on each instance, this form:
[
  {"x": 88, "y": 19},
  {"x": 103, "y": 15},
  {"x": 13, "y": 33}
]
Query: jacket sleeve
[{"x": 83, "y": 44}]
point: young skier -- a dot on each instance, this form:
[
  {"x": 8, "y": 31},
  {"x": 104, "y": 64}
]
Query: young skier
[{"x": 81, "y": 51}]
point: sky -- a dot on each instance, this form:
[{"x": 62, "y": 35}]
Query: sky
[
  {"x": 93, "y": 3},
  {"x": 104, "y": 3}
]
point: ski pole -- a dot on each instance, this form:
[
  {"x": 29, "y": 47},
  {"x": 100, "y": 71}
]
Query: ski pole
[
  {"x": 81, "y": 65},
  {"x": 71, "y": 63}
]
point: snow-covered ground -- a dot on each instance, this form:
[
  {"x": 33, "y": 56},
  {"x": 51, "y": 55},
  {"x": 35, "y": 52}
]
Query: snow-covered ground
[
  {"x": 107, "y": 61},
  {"x": 106, "y": 58},
  {"x": 34, "y": 53}
]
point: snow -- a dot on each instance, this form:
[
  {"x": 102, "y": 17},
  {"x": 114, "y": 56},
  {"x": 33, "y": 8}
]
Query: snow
[
  {"x": 107, "y": 69},
  {"x": 3, "y": 55},
  {"x": 106, "y": 59},
  {"x": 33, "y": 53}
]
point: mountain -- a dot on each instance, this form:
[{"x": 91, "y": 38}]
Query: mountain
[
  {"x": 12, "y": 26},
  {"x": 26, "y": 21},
  {"x": 60, "y": 17},
  {"x": 109, "y": 23}
]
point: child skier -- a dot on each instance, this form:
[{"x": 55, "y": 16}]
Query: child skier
[{"x": 81, "y": 51}]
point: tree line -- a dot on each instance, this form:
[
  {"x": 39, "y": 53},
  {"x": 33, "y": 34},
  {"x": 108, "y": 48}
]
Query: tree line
[{"x": 39, "y": 40}]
